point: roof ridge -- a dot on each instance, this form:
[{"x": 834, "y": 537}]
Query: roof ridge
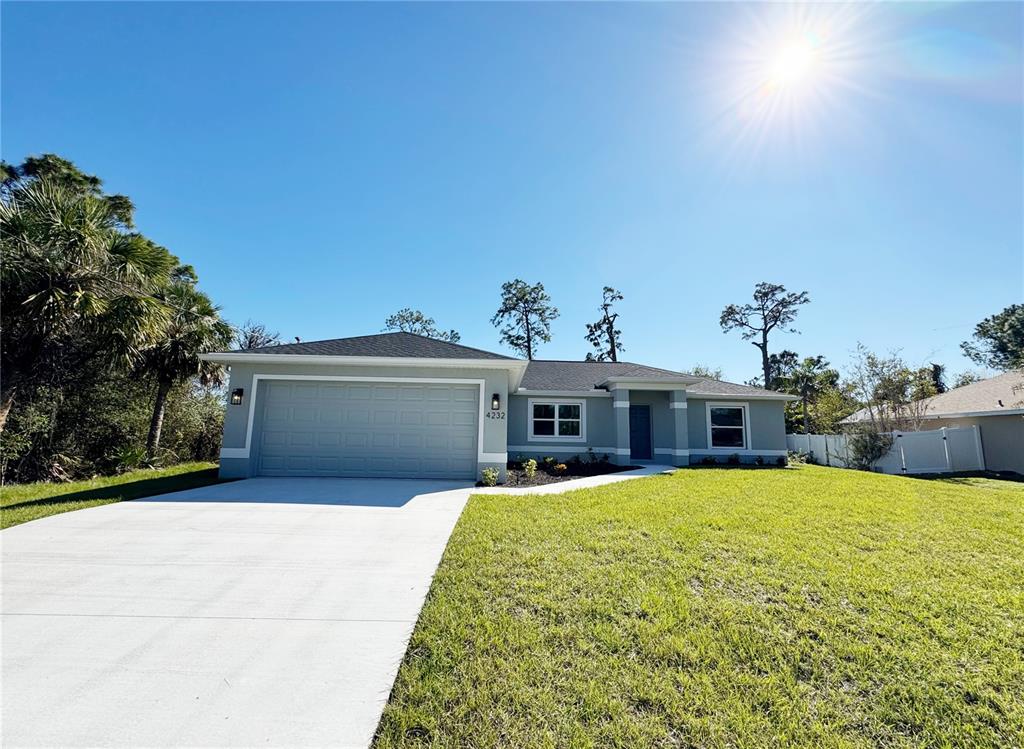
[{"x": 370, "y": 336}]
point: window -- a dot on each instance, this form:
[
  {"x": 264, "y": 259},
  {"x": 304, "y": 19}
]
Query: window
[
  {"x": 727, "y": 426},
  {"x": 557, "y": 420}
]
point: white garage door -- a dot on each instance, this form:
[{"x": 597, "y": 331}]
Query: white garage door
[{"x": 369, "y": 429}]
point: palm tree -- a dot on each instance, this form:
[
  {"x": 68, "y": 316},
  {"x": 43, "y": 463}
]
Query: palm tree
[
  {"x": 805, "y": 379},
  {"x": 195, "y": 327},
  {"x": 70, "y": 269}
]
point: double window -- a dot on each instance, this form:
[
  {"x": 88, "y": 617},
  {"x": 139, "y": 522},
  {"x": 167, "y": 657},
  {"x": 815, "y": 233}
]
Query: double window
[
  {"x": 557, "y": 420},
  {"x": 727, "y": 426}
]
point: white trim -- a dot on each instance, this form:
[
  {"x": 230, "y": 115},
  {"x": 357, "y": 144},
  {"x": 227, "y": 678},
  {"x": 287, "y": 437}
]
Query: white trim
[
  {"x": 233, "y": 452},
  {"x": 644, "y": 385},
  {"x": 700, "y": 451},
  {"x": 492, "y": 457},
  {"x": 976, "y": 414},
  {"x": 677, "y": 404},
  {"x": 516, "y": 367},
  {"x": 564, "y": 393},
  {"x": 647, "y": 383},
  {"x": 746, "y": 425},
  {"x": 620, "y": 404},
  {"x": 671, "y": 451},
  {"x": 557, "y": 449},
  {"x": 556, "y": 402},
  {"x": 696, "y": 395},
  {"x": 245, "y": 452}
]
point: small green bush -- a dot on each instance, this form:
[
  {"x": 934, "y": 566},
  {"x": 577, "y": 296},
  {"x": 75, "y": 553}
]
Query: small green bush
[
  {"x": 734, "y": 459},
  {"x": 867, "y": 448},
  {"x": 530, "y": 468},
  {"x": 489, "y": 477}
]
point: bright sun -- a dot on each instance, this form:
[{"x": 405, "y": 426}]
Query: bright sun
[{"x": 794, "y": 64}]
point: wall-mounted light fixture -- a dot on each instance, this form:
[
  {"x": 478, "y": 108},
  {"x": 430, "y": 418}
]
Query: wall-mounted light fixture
[
  {"x": 495, "y": 402},
  {"x": 236, "y": 396}
]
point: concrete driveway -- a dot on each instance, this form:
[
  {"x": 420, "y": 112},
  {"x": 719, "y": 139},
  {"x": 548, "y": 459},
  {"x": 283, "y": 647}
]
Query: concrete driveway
[{"x": 263, "y": 612}]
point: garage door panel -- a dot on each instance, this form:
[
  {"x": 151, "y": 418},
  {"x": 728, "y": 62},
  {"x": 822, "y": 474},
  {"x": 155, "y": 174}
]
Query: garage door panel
[
  {"x": 357, "y": 439},
  {"x": 328, "y": 439},
  {"x": 357, "y": 416},
  {"x": 359, "y": 429},
  {"x": 385, "y": 439}
]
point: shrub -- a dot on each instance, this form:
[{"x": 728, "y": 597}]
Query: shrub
[
  {"x": 794, "y": 458},
  {"x": 759, "y": 460},
  {"x": 489, "y": 476},
  {"x": 708, "y": 460},
  {"x": 530, "y": 468},
  {"x": 560, "y": 468},
  {"x": 734, "y": 459},
  {"x": 549, "y": 461},
  {"x": 782, "y": 461},
  {"x": 867, "y": 448}
]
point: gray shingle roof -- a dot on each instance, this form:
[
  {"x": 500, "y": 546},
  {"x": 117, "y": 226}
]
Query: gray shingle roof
[
  {"x": 381, "y": 344},
  {"x": 585, "y": 375},
  {"x": 720, "y": 387},
  {"x": 1002, "y": 393}
]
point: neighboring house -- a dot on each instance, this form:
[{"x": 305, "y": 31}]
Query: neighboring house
[
  {"x": 995, "y": 406},
  {"x": 402, "y": 405}
]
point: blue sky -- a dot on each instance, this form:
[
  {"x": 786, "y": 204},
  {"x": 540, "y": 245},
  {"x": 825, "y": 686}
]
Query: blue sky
[{"x": 323, "y": 165}]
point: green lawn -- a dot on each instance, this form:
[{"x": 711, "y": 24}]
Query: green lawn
[
  {"x": 719, "y": 608},
  {"x": 20, "y": 503}
]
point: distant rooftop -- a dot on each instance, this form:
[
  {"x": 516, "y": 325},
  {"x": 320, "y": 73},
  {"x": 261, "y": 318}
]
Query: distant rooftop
[{"x": 995, "y": 395}]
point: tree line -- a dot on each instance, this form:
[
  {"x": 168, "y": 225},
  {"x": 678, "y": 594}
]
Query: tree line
[
  {"x": 102, "y": 330},
  {"x": 526, "y": 312}
]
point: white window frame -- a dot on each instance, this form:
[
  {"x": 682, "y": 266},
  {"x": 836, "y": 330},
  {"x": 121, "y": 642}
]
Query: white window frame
[
  {"x": 746, "y": 425},
  {"x": 556, "y": 402}
]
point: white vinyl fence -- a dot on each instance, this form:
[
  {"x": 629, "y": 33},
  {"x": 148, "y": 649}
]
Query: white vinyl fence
[{"x": 937, "y": 451}]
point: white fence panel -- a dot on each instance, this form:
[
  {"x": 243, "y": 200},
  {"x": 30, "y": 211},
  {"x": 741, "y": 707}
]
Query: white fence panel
[
  {"x": 965, "y": 449},
  {"x": 937, "y": 451},
  {"x": 923, "y": 452}
]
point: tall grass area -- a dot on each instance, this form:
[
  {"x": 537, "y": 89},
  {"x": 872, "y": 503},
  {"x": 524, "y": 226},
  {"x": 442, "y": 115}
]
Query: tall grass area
[{"x": 715, "y": 608}]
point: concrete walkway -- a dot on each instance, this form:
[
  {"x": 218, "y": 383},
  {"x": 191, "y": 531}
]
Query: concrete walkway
[{"x": 271, "y": 612}]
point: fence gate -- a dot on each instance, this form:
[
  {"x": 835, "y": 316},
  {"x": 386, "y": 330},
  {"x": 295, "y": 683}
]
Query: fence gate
[{"x": 938, "y": 451}]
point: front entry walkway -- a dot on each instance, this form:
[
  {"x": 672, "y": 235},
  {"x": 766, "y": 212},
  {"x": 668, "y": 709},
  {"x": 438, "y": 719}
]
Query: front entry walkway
[{"x": 264, "y": 612}]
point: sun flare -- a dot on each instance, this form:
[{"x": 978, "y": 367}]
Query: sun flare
[{"x": 794, "y": 64}]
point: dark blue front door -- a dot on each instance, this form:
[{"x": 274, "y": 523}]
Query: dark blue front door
[{"x": 640, "y": 432}]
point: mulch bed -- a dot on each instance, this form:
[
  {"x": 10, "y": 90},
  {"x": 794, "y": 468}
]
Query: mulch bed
[{"x": 517, "y": 477}]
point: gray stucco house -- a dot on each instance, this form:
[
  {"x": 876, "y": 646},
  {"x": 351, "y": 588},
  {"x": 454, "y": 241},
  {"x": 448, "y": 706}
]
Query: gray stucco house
[{"x": 402, "y": 405}]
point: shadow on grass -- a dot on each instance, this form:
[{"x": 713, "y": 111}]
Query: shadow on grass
[
  {"x": 128, "y": 490},
  {"x": 965, "y": 477}
]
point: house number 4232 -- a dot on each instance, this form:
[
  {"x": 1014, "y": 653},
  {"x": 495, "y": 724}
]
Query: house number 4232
[{"x": 495, "y": 414}]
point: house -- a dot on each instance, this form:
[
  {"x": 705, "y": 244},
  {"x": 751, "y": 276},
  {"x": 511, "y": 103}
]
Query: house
[
  {"x": 995, "y": 406},
  {"x": 402, "y": 405}
]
